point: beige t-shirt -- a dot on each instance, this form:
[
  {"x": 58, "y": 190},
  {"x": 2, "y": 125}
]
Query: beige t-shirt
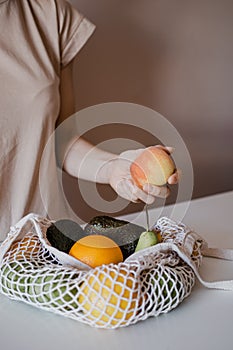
[{"x": 37, "y": 39}]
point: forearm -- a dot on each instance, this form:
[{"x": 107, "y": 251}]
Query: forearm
[
  {"x": 82, "y": 159},
  {"x": 86, "y": 161}
]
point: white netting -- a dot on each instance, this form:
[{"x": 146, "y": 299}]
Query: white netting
[{"x": 148, "y": 283}]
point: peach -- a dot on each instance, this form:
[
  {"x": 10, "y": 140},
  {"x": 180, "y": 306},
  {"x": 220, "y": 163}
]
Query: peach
[{"x": 153, "y": 166}]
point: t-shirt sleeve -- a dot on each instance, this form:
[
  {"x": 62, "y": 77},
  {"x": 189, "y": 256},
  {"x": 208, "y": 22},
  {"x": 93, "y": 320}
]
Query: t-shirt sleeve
[{"x": 74, "y": 31}]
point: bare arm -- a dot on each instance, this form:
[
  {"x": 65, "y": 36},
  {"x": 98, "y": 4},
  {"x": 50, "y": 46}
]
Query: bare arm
[
  {"x": 83, "y": 159},
  {"x": 86, "y": 161}
]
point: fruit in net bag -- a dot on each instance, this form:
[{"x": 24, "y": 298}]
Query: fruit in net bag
[
  {"x": 124, "y": 233},
  {"x": 96, "y": 250},
  {"x": 63, "y": 233},
  {"x": 48, "y": 286},
  {"x": 147, "y": 239},
  {"x": 109, "y": 296}
]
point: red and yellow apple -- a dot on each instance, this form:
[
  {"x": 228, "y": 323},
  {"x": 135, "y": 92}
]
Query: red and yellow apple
[{"x": 153, "y": 166}]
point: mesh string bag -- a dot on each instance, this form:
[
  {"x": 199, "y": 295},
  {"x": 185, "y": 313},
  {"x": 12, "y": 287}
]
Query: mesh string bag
[{"x": 148, "y": 283}]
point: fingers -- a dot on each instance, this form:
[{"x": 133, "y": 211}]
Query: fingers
[
  {"x": 175, "y": 178},
  {"x": 126, "y": 189},
  {"x": 157, "y": 191},
  {"x": 122, "y": 183},
  {"x": 140, "y": 194}
]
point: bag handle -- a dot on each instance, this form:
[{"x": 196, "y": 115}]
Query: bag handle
[
  {"x": 219, "y": 253},
  {"x": 185, "y": 251}
]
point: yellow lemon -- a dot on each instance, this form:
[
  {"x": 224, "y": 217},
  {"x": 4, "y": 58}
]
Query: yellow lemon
[{"x": 109, "y": 297}]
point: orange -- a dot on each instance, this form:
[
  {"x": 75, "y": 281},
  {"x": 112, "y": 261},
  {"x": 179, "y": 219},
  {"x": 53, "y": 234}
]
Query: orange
[
  {"x": 96, "y": 250},
  {"x": 109, "y": 297}
]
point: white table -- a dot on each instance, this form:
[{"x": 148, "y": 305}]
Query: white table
[{"x": 202, "y": 321}]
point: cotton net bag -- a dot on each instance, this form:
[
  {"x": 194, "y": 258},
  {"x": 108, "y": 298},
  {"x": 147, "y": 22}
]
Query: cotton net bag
[{"x": 148, "y": 283}]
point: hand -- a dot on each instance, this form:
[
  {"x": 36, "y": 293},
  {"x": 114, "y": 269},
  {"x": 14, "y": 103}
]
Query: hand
[{"x": 121, "y": 181}]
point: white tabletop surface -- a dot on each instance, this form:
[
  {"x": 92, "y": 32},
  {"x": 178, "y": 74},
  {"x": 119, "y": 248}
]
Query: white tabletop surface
[{"x": 202, "y": 321}]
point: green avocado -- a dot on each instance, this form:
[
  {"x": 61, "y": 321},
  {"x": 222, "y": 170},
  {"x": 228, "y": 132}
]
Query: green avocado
[{"x": 63, "y": 233}]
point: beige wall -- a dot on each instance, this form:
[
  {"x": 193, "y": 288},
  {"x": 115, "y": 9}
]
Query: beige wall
[{"x": 175, "y": 56}]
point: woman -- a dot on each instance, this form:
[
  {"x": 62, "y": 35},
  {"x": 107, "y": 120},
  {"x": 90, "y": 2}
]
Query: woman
[{"x": 38, "y": 42}]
